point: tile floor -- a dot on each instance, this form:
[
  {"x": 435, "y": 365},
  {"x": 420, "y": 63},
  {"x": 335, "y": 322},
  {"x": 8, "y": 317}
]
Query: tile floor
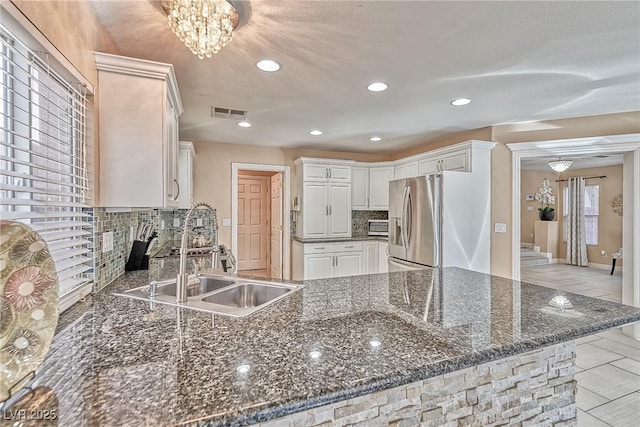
[{"x": 608, "y": 364}]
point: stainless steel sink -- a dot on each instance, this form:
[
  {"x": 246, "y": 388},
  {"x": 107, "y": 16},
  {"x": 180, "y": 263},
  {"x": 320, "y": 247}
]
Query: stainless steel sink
[
  {"x": 204, "y": 285},
  {"x": 217, "y": 294},
  {"x": 247, "y": 295}
]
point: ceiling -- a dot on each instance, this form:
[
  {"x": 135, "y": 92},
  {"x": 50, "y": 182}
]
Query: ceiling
[
  {"x": 585, "y": 161},
  {"x": 517, "y": 61}
]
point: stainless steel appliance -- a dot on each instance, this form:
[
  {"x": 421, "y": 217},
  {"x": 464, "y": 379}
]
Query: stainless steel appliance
[
  {"x": 378, "y": 227},
  {"x": 439, "y": 220}
]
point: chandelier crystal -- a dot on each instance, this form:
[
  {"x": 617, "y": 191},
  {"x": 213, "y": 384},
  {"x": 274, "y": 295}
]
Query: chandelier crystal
[
  {"x": 560, "y": 165},
  {"x": 204, "y": 26}
]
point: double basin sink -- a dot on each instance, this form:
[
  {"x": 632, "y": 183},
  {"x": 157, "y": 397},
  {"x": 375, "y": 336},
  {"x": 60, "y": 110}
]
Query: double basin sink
[{"x": 217, "y": 294}]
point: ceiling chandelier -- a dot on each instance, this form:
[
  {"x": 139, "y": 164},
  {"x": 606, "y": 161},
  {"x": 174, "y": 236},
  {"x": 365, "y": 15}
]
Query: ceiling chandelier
[
  {"x": 204, "y": 26},
  {"x": 560, "y": 165}
]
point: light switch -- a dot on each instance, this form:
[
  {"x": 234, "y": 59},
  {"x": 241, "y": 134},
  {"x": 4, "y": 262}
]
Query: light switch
[
  {"x": 226, "y": 222},
  {"x": 176, "y": 222},
  {"x": 500, "y": 227},
  {"x": 199, "y": 222},
  {"x": 107, "y": 242}
]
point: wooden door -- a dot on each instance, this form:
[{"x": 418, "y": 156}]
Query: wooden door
[
  {"x": 277, "y": 225},
  {"x": 253, "y": 222}
]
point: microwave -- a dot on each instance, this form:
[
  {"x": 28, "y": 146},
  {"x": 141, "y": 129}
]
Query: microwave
[{"x": 378, "y": 227}]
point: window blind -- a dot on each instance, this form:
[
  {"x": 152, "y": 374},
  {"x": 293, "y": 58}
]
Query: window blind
[{"x": 43, "y": 158}]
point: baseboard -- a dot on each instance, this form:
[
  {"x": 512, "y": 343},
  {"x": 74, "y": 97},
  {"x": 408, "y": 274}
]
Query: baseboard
[
  {"x": 604, "y": 266},
  {"x": 555, "y": 260}
]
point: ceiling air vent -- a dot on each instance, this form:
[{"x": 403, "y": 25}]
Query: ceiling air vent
[{"x": 228, "y": 113}]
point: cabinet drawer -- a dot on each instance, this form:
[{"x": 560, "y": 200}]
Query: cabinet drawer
[
  {"x": 315, "y": 172},
  {"x": 340, "y": 173},
  {"x": 348, "y": 247},
  {"x": 318, "y": 248}
]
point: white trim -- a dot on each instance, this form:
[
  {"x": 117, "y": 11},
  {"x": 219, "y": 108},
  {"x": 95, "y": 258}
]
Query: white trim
[
  {"x": 142, "y": 68},
  {"x": 323, "y": 161},
  {"x": 286, "y": 208},
  {"x": 628, "y": 143},
  {"x": 37, "y": 37},
  {"x": 472, "y": 143}
]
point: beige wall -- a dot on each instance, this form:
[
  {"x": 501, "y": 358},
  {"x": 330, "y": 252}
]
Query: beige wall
[
  {"x": 501, "y": 171},
  {"x": 609, "y": 222},
  {"x": 73, "y": 28},
  {"x": 530, "y": 181},
  {"x": 212, "y": 171}
]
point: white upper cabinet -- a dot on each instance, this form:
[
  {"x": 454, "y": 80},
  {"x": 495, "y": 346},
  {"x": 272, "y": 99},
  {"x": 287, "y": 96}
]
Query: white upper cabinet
[
  {"x": 186, "y": 155},
  {"x": 455, "y": 160},
  {"x": 325, "y": 192},
  {"x": 139, "y": 106},
  {"x": 359, "y": 188},
  {"x": 379, "y": 178},
  {"x": 370, "y": 185},
  {"x": 406, "y": 170}
]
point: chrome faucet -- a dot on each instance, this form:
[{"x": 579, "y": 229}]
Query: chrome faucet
[{"x": 220, "y": 252}]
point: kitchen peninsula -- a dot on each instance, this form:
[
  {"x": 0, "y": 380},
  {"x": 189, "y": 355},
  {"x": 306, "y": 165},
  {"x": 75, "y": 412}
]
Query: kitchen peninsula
[{"x": 431, "y": 346}]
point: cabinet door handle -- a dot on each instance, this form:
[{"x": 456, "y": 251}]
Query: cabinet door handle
[
  {"x": 326, "y": 172},
  {"x": 336, "y": 261},
  {"x": 350, "y": 246},
  {"x": 329, "y": 172},
  {"x": 326, "y": 210},
  {"x": 178, "y": 192},
  {"x": 330, "y": 210},
  {"x": 319, "y": 248}
]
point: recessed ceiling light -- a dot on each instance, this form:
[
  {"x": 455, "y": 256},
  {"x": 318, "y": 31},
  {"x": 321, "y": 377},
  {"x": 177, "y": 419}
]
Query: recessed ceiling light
[
  {"x": 460, "y": 101},
  {"x": 268, "y": 65},
  {"x": 316, "y": 132},
  {"x": 377, "y": 87},
  {"x": 315, "y": 354},
  {"x": 244, "y": 124},
  {"x": 375, "y": 139}
]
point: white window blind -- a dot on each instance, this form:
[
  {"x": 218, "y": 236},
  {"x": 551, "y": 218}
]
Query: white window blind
[
  {"x": 591, "y": 212},
  {"x": 43, "y": 159}
]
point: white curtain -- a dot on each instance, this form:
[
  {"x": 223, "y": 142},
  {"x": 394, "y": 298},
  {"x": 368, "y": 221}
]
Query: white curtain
[{"x": 576, "y": 237}]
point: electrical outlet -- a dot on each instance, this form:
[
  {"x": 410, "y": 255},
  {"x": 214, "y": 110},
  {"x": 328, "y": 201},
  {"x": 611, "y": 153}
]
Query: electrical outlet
[
  {"x": 529, "y": 208},
  {"x": 226, "y": 222},
  {"x": 107, "y": 242},
  {"x": 162, "y": 225},
  {"x": 132, "y": 233},
  {"x": 176, "y": 222},
  {"x": 531, "y": 235},
  {"x": 500, "y": 227},
  {"x": 603, "y": 253},
  {"x": 199, "y": 222}
]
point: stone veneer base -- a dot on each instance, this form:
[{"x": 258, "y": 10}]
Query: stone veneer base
[{"x": 534, "y": 388}]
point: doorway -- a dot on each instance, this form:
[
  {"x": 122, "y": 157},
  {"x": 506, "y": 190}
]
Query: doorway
[
  {"x": 629, "y": 147},
  {"x": 260, "y": 212}
]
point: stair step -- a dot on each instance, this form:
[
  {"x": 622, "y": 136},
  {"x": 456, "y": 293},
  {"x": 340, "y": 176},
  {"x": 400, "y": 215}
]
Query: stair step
[{"x": 531, "y": 261}]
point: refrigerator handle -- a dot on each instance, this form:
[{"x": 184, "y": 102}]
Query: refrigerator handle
[
  {"x": 403, "y": 229},
  {"x": 437, "y": 203}
]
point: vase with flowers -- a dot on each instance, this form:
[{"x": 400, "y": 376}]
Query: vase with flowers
[{"x": 545, "y": 197}]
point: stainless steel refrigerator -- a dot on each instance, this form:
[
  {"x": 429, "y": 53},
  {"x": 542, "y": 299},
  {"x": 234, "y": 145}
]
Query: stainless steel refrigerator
[{"x": 439, "y": 220}]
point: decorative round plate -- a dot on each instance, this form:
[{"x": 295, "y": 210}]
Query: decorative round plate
[{"x": 28, "y": 304}]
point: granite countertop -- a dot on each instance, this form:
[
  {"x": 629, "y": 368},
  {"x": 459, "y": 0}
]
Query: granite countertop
[
  {"x": 354, "y": 238},
  {"x": 133, "y": 365}
]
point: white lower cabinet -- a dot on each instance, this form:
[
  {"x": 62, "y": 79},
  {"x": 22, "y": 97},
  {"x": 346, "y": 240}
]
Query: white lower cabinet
[
  {"x": 383, "y": 257},
  {"x": 318, "y": 266},
  {"x": 370, "y": 257},
  {"x": 338, "y": 259},
  {"x": 324, "y": 260}
]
